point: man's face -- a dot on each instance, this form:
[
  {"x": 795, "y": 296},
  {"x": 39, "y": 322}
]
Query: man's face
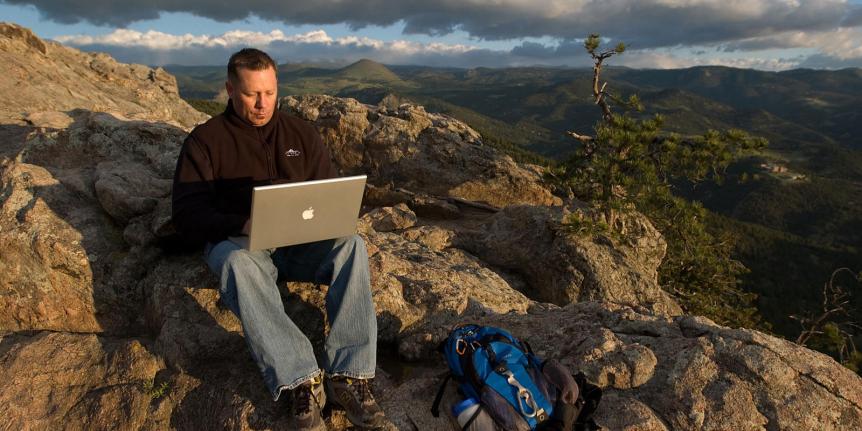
[{"x": 254, "y": 94}]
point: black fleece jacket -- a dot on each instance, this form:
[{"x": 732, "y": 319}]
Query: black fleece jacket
[{"x": 222, "y": 160}]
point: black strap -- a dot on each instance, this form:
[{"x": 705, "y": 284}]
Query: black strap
[
  {"x": 590, "y": 395},
  {"x": 469, "y": 370},
  {"x": 435, "y": 408},
  {"x": 532, "y": 360},
  {"x": 486, "y": 341},
  {"x": 528, "y": 347},
  {"x": 472, "y": 418},
  {"x": 496, "y": 337}
]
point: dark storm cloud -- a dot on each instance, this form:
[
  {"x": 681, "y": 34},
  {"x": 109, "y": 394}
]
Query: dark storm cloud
[
  {"x": 540, "y": 51},
  {"x": 822, "y": 61},
  {"x": 853, "y": 18},
  {"x": 644, "y": 23}
]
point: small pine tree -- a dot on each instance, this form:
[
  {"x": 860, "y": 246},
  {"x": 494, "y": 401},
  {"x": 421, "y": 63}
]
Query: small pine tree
[
  {"x": 834, "y": 328},
  {"x": 629, "y": 163}
]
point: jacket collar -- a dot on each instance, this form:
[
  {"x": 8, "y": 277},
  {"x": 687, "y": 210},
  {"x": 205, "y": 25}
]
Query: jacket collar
[{"x": 235, "y": 120}]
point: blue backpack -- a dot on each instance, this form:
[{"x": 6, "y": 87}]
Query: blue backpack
[{"x": 518, "y": 390}]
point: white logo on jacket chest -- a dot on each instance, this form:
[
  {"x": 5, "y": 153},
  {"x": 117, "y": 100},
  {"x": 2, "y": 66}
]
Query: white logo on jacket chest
[{"x": 292, "y": 153}]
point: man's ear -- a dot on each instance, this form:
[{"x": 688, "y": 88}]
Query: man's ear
[{"x": 229, "y": 88}]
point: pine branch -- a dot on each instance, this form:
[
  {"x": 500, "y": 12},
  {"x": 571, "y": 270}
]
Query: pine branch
[{"x": 582, "y": 138}]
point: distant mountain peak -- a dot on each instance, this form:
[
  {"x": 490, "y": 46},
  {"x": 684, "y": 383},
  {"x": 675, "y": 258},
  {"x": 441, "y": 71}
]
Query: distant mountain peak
[{"x": 368, "y": 70}]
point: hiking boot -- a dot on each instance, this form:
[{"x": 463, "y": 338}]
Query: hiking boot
[
  {"x": 354, "y": 396},
  {"x": 306, "y": 402}
]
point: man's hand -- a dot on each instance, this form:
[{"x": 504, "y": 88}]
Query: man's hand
[{"x": 246, "y": 227}]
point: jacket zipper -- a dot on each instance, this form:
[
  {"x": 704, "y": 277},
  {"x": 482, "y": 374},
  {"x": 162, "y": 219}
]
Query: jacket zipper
[{"x": 269, "y": 162}]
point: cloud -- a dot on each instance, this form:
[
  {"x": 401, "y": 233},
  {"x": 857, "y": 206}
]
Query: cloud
[
  {"x": 663, "y": 60},
  {"x": 236, "y": 38},
  {"x": 564, "y": 49},
  {"x": 642, "y": 23},
  {"x": 853, "y": 18},
  {"x": 821, "y": 61},
  {"x": 842, "y": 43},
  {"x": 157, "y": 48}
]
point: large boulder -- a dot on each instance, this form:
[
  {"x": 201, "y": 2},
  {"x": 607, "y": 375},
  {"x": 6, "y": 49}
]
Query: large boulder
[
  {"x": 76, "y": 381},
  {"x": 561, "y": 266},
  {"x": 73, "y": 202},
  {"x": 419, "y": 151},
  {"x": 53, "y": 273},
  {"x": 413, "y": 282}
]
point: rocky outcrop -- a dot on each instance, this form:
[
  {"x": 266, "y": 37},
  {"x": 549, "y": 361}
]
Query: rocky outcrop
[
  {"x": 412, "y": 283},
  {"x": 418, "y": 150},
  {"x": 562, "y": 267},
  {"x": 74, "y": 201},
  {"x": 387, "y": 219},
  {"x": 44, "y": 76},
  {"x": 103, "y": 326},
  {"x": 51, "y": 267},
  {"x": 683, "y": 373}
]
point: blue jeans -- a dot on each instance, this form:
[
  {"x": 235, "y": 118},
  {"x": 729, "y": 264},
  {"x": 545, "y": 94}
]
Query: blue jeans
[{"x": 282, "y": 352}]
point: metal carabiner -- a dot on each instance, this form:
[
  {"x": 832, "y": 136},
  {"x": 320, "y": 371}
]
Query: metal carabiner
[
  {"x": 460, "y": 347},
  {"x": 525, "y": 397}
]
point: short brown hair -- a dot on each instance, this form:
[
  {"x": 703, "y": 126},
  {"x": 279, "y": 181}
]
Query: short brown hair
[{"x": 248, "y": 58}]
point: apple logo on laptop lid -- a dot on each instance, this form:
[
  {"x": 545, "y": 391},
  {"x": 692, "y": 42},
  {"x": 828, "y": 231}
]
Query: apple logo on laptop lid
[{"x": 308, "y": 214}]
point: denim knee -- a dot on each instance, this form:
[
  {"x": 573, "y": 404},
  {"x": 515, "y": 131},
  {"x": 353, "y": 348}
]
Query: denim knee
[
  {"x": 353, "y": 241},
  {"x": 241, "y": 261}
]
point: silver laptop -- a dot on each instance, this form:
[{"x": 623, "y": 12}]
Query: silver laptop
[{"x": 297, "y": 213}]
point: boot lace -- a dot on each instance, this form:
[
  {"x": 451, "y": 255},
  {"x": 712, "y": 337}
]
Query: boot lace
[
  {"x": 302, "y": 399},
  {"x": 361, "y": 388}
]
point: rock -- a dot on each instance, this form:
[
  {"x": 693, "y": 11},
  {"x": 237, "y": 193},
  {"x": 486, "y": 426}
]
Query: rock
[
  {"x": 342, "y": 124},
  {"x": 138, "y": 232},
  {"x": 126, "y": 190},
  {"x": 48, "y": 267},
  {"x": 161, "y": 225},
  {"x": 67, "y": 266},
  {"x": 182, "y": 308},
  {"x": 433, "y": 237},
  {"x": 81, "y": 381},
  {"x": 128, "y": 168},
  {"x": 684, "y": 373},
  {"x": 412, "y": 283},
  {"x": 388, "y": 219},
  {"x": 431, "y": 207},
  {"x": 49, "y": 119},
  {"x": 42, "y": 76},
  {"x": 563, "y": 267},
  {"x": 406, "y": 415},
  {"x": 383, "y": 196},
  {"x": 630, "y": 415},
  {"x": 26, "y": 38},
  {"x": 419, "y": 151},
  {"x": 422, "y": 204}
]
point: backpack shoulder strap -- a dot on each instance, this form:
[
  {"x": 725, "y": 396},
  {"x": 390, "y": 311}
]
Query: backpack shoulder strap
[{"x": 435, "y": 408}]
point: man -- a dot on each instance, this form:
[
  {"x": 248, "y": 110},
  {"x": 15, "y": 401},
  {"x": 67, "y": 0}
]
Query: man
[{"x": 253, "y": 144}]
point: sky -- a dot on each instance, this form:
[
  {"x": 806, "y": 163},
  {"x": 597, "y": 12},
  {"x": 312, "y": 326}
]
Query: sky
[{"x": 660, "y": 34}]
